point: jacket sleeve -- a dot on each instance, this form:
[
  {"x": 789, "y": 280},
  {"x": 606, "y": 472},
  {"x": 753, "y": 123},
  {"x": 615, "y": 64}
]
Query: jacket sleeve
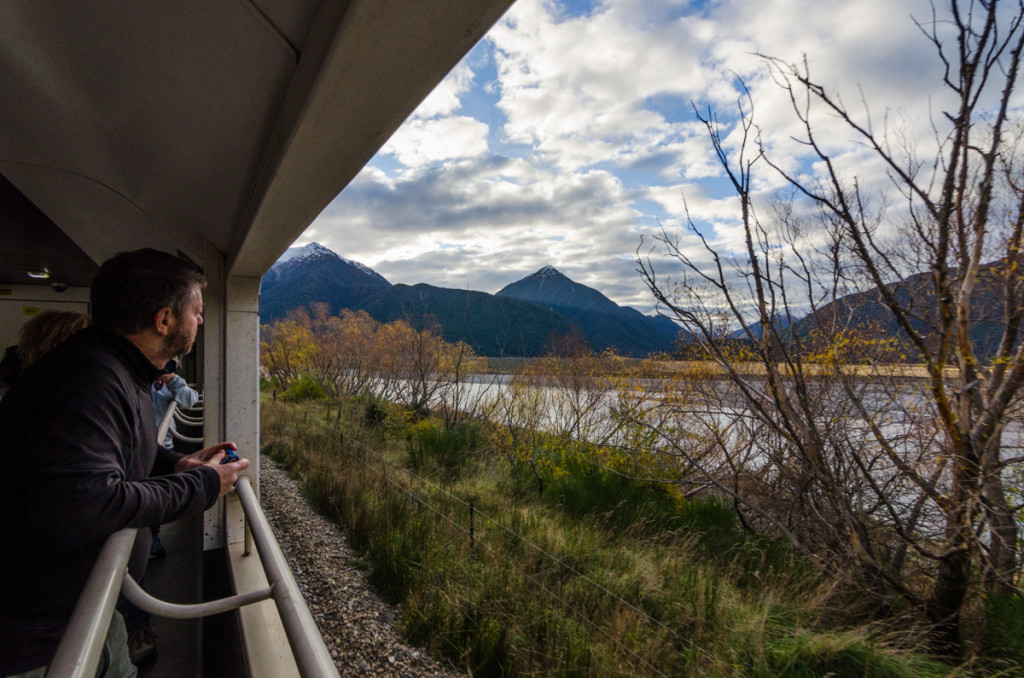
[
  {"x": 79, "y": 485},
  {"x": 184, "y": 396},
  {"x": 165, "y": 462}
]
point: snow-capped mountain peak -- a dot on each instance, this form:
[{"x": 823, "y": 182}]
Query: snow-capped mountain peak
[
  {"x": 315, "y": 250},
  {"x": 314, "y": 257},
  {"x": 362, "y": 267},
  {"x": 547, "y": 272},
  {"x": 310, "y": 251}
]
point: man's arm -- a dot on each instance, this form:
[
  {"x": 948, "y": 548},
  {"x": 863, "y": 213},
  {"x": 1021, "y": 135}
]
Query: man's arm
[
  {"x": 83, "y": 474},
  {"x": 184, "y": 395}
]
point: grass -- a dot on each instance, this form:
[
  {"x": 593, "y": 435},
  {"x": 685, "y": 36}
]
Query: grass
[
  {"x": 709, "y": 368},
  {"x": 598, "y": 576}
]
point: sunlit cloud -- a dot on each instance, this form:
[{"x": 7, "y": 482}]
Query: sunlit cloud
[{"x": 569, "y": 136}]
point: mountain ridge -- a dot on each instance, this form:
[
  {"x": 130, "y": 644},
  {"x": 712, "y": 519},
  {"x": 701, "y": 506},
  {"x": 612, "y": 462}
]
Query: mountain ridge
[
  {"x": 605, "y": 324},
  {"x": 521, "y": 319}
]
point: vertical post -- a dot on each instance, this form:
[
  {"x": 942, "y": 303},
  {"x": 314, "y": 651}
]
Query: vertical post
[
  {"x": 210, "y": 354},
  {"x": 241, "y": 387},
  {"x": 247, "y": 547},
  {"x": 470, "y": 524}
]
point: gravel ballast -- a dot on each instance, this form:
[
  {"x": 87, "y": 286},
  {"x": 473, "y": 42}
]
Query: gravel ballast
[{"x": 357, "y": 625}]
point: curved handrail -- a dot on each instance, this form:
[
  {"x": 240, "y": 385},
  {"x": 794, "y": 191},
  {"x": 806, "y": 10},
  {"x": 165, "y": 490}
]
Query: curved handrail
[
  {"x": 170, "y": 415},
  {"x": 185, "y": 419},
  {"x": 185, "y": 439},
  {"x": 165, "y": 423},
  {"x": 147, "y": 603},
  {"x": 80, "y": 649}
]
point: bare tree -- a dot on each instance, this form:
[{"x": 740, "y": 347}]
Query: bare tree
[
  {"x": 857, "y": 464},
  {"x": 578, "y": 388}
]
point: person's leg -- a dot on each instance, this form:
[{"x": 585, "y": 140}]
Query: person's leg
[
  {"x": 34, "y": 673},
  {"x": 115, "y": 651},
  {"x": 114, "y": 662}
]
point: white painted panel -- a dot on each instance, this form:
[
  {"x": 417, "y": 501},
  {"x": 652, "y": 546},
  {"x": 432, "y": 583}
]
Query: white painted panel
[{"x": 26, "y": 301}]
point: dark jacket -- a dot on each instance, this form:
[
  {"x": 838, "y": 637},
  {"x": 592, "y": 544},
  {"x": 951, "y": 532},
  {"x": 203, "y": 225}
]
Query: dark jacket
[{"x": 79, "y": 460}]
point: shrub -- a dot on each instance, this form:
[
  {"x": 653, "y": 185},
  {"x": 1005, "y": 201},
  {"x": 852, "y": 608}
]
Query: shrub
[
  {"x": 375, "y": 413},
  {"x": 439, "y": 449},
  {"x": 303, "y": 389},
  {"x": 581, "y": 488}
]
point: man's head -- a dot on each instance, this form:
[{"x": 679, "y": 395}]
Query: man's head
[{"x": 148, "y": 289}]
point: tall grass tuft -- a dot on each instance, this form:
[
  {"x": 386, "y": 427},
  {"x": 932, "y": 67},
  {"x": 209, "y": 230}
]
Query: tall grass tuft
[
  {"x": 602, "y": 575},
  {"x": 440, "y": 450},
  {"x": 1004, "y": 627},
  {"x": 622, "y": 503}
]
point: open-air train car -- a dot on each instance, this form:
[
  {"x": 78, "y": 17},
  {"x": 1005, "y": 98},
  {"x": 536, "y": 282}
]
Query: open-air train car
[{"x": 216, "y": 130}]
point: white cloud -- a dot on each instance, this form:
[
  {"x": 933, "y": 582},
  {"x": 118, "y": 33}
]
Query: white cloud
[
  {"x": 593, "y": 141},
  {"x": 421, "y": 141},
  {"x": 575, "y": 88},
  {"x": 505, "y": 218},
  {"x": 447, "y": 96}
]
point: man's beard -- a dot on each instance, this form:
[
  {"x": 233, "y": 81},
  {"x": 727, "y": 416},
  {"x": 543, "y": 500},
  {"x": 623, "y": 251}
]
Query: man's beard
[{"x": 178, "y": 343}]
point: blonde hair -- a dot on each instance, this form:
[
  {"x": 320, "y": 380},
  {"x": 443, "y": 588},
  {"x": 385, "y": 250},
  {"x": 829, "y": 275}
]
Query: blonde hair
[{"x": 47, "y": 330}]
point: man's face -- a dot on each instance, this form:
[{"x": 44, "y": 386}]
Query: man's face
[{"x": 183, "y": 334}]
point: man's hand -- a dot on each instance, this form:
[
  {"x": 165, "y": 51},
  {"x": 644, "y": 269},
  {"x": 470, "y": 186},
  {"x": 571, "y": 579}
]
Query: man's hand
[
  {"x": 202, "y": 457},
  {"x": 211, "y": 456}
]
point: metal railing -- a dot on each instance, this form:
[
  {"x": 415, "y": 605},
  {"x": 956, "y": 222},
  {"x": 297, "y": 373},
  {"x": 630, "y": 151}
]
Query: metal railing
[
  {"x": 174, "y": 414},
  {"x": 165, "y": 422},
  {"x": 185, "y": 419},
  {"x": 184, "y": 438},
  {"x": 82, "y": 645},
  {"x": 311, "y": 655}
]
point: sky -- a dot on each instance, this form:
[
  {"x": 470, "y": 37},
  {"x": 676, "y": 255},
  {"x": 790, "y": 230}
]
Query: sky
[{"x": 568, "y": 134}]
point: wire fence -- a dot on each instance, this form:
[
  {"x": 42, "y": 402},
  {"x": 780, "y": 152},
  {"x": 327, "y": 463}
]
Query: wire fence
[{"x": 465, "y": 528}]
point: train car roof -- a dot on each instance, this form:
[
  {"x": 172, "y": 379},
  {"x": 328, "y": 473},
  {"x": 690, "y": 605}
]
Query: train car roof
[{"x": 176, "y": 124}]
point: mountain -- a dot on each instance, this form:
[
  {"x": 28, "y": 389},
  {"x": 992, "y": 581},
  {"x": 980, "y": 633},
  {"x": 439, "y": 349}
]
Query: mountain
[
  {"x": 520, "y": 320},
  {"x": 304, "y": 275},
  {"x": 316, "y": 259},
  {"x": 865, "y": 313},
  {"x": 781, "y": 323},
  {"x": 491, "y": 325},
  {"x": 604, "y": 323}
]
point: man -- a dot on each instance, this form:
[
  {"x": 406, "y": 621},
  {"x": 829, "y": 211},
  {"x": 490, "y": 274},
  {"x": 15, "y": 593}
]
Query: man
[{"x": 80, "y": 459}]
